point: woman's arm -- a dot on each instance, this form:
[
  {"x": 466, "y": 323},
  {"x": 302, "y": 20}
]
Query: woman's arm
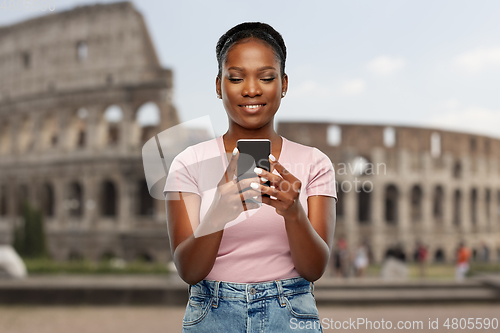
[
  {"x": 194, "y": 257},
  {"x": 195, "y": 244},
  {"x": 311, "y": 236}
]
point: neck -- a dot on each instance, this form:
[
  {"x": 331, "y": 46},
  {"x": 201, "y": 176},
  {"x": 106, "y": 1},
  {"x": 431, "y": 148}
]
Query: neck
[{"x": 236, "y": 132}]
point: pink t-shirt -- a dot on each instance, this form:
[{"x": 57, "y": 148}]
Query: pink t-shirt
[{"x": 254, "y": 247}]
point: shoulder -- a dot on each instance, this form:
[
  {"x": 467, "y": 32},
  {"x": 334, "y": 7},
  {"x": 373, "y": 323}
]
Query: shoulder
[
  {"x": 313, "y": 154},
  {"x": 198, "y": 152}
]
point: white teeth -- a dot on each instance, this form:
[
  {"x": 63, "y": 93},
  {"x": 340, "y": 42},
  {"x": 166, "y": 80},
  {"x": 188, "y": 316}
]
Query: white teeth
[{"x": 253, "y": 106}]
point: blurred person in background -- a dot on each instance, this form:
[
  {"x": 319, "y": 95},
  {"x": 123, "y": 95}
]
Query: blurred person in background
[
  {"x": 462, "y": 263},
  {"x": 421, "y": 258},
  {"x": 342, "y": 262},
  {"x": 484, "y": 252},
  {"x": 361, "y": 260}
]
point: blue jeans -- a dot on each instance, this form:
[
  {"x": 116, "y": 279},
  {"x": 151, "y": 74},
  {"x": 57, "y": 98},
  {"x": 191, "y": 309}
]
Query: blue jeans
[{"x": 276, "y": 306}]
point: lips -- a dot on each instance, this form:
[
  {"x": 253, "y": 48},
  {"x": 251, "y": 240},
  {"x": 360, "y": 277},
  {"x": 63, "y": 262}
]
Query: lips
[{"x": 252, "y": 108}]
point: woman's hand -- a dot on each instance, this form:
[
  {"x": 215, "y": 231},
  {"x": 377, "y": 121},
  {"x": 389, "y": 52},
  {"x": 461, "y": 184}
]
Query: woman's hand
[
  {"x": 310, "y": 235},
  {"x": 286, "y": 190},
  {"x": 231, "y": 198}
]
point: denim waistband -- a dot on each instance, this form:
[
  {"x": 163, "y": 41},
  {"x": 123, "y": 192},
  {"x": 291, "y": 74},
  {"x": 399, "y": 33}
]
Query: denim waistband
[{"x": 251, "y": 291}]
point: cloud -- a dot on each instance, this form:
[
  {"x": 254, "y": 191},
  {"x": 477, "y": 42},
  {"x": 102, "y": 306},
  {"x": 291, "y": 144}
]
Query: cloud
[
  {"x": 385, "y": 65},
  {"x": 476, "y": 119},
  {"x": 478, "y": 60},
  {"x": 352, "y": 87},
  {"x": 310, "y": 88}
]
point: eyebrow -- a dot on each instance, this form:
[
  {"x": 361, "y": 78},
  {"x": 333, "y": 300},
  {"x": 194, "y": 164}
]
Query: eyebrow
[{"x": 242, "y": 70}]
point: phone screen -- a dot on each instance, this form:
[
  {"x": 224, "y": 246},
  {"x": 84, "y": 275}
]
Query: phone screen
[{"x": 253, "y": 153}]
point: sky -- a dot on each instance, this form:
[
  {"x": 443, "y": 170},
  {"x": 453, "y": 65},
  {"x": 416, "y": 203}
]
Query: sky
[{"x": 413, "y": 63}]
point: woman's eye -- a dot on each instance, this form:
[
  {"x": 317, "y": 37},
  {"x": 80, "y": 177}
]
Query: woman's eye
[
  {"x": 232, "y": 79},
  {"x": 269, "y": 79}
]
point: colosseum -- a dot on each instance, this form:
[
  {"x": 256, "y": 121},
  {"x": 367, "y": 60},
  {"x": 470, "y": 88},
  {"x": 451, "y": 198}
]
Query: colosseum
[
  {"x": 402, "y": 185},
  {"x": 76, "y": 109},
  {"x": 76, "y": 87}
]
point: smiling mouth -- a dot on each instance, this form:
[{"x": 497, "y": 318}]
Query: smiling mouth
[{"x": 253, "y": 106}]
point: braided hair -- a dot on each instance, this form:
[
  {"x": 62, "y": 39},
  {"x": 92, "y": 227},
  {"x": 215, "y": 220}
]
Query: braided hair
[{"x": 258, "y": 30}]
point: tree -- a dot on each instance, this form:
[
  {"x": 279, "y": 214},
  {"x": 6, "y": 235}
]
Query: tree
[{"x": 29, "y": 237}]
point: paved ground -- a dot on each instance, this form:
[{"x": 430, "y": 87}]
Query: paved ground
[{"x": 168, "y": 319}]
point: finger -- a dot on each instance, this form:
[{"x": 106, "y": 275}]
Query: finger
[
  {"x": 281, "y": 170},
  {"x": 231, "y": 168},
  {"x": 270, "y": 202},
  {"x": 250, "y": 194},
  {"x": 282, "y": 187},
  {"x": 244, "y": 184},
  {"x": 279, "y": 195},
  {"x": 274, "y": 179},
  {"x": 271, "y": 191}
]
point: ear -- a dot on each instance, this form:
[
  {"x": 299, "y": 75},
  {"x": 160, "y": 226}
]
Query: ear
[
  {"x": 284, "y": 83},
  {"x": 218, "y": 90}
]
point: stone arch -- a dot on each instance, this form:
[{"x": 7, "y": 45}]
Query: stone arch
[
  {"x": 339, "y": 206},
  {"x": 146, "y": 201},
  {"x": 5, "y": 138},
  {"x": 361, "y": 166},
  {"x": 147, "y": 120},
  {"x": 74, "y": 203},
  {"x": 435, "y": 144},
  {"x": 437, "y": 203},
  {"x": 145, "y": 256},
  {"x": 333, "y": 135},
  {"x": 108, "y": 255},
  {"x": 82, "y": 50},
  {"x": 416, "y": 203},
  {"x": 457, "y": 202},
  {"x": 108, "y": 199},
  {"x": 49, "y": 132},
  {"x": 26, "y": 139},
  {"x": 75, "y": 255},
  {"x": 77, "y": 133},
  {"x": 396, "y": 251},
  {"x": 22, "y": 198},
  {"x": 439, "y": 256},
  {"x": 391, "y": 204},
  {"x": 457, "y": 170},
  {"x": 364, "y": 206},
  {"x": 473, "y": 206},
  {"x": 109, "y": 126},
  {"x": 487, "y": 204},
  {"x": 3, "y": 200},
  {"x": 389, "y": 136},
  {"x": 498, "y": 206},
  {"x": 47, "y": 199}
]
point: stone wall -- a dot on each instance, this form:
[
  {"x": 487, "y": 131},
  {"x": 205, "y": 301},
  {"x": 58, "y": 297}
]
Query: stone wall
[
  {"x": 73, "y": 88},
  {"x": 419, "y": 184}
]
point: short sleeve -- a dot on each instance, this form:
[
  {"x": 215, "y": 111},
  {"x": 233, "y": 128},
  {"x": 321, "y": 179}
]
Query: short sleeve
[
  {"x": 321, "y": 176},
  {"x": 183, "y": 173}
]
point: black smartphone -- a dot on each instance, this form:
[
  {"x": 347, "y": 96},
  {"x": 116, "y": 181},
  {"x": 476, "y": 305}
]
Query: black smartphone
[{"x": 253, "y": 153}]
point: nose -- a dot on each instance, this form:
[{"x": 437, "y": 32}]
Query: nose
[{"x": 251, "y": 88}]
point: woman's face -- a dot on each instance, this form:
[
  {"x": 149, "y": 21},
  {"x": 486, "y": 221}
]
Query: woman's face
[{"x": 250, "y": 85}]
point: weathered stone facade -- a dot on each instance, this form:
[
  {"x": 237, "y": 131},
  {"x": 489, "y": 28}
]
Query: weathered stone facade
[
  {"x": 72, "y": 89},
  {"x": 419, "y": 184}
]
